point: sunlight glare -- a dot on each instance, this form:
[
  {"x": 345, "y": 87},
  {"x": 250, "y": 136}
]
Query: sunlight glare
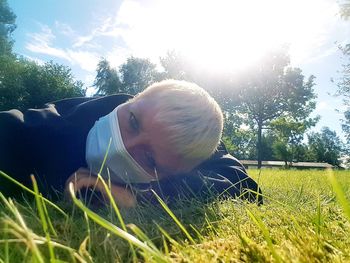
[{"x": 225, "y": 35}]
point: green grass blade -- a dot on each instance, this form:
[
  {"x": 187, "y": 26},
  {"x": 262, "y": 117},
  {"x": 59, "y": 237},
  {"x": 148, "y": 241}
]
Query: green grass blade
[
  {"x": 199, "y": 235},
  {"x": 6, "y": 246},
  {"x": 141, "y": 235},
  {"x": 171, "y": 214},
  {"x": 116, "y": 209},
  {"x": 116, "y": 230},
  {"x": 318, "y": 216},
  {"x": 21, "y": 229},
  {"x": 112, "y": 201},
  {"x": 83, "y": 251},
  {"x": 167, "y": 236},
  {"x": 49, "y": 220},
  {"x": 257, "y": 220},
  {"x": 88, "y": 230},
  {"x": 339, "y": 194},
  {"x": 33, "y": 193},
  {"x": 42, "y": 217}
]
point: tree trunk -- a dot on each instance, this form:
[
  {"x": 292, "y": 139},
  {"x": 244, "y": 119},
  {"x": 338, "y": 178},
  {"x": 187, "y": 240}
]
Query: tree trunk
[{"x": 259, "y": 144}]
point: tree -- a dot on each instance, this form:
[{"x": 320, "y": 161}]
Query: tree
[
  {"x": 289, "y": 134},
  {"x": 49, "y": 82},
  {"x": 253, "y": 99},
  {"x": 137, "y": 74},
  {"x": 175, "y": 66},
  {"x": 107, "y": 79},
  {"x": 345, "y": 9},
  {"x": 346, "y": 125},
  {"x": 344, "y": 90},
  {"x": 133, "y": 76},
  {"x": 239, "y": 140},
  {"x": 325, "y": 146},
  {"x": 7, "y": 26},
  {"x": 25, "y": 84},
  {"x": 344, "y": 83},
  {"x": 273, "y": 90}
]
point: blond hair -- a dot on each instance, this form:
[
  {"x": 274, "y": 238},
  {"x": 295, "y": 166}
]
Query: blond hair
[{"x": 193, "y": 118}]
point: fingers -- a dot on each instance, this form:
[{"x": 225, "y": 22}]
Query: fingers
[
  {"x": 82, "y": 178},
  {"x": 123, "y": 197}
]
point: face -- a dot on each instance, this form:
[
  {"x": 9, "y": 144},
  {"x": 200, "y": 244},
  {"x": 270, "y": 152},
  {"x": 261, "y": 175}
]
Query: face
[{"x": 145, "y": 139}]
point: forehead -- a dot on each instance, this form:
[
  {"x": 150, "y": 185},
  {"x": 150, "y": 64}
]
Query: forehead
[{"x": 157, "y": 135}]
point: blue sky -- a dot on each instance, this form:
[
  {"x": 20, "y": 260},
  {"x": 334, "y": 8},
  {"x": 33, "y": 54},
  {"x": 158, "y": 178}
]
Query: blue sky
[{"x": 231, "y": 34}]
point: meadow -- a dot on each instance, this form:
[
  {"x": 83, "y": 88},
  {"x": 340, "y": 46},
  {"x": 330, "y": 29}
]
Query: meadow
[{"x": 305, "y": 218}]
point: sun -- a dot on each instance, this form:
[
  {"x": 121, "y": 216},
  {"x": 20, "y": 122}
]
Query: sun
[{"x": 226, "y": 35}]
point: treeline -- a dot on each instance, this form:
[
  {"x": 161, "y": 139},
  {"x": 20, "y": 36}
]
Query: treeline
[
  {"x": 24, "y": 83},
  {"x": 267, "y": 107}
]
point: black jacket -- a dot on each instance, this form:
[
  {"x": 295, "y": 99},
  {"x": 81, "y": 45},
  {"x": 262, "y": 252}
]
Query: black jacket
[{"x": 50, "y": 143}]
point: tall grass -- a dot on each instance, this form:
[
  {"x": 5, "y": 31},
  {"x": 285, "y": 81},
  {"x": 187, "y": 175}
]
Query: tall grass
[{"x": 305, "y": 218}]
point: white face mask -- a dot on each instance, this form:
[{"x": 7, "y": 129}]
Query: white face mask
[{"x": 121, "y": 166}]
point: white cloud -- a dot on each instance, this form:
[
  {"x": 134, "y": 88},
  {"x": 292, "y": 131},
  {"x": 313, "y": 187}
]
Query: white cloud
[
  {"x": 47, "y": 50},
  {"x": 118, "y": 56},
  {"x": 104, "y": 29},
  {"x": 219, "y": 34},
  {"x": 42, "y": 43},
  {"x": 64, "y": 29},
  {"x": 86, "y": 60}
]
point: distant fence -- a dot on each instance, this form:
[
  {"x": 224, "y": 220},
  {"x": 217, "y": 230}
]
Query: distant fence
[{"x": 280, "y": 164}]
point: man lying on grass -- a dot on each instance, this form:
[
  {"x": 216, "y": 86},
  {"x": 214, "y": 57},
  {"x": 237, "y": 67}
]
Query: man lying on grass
[{"x": 167, "y": 138}]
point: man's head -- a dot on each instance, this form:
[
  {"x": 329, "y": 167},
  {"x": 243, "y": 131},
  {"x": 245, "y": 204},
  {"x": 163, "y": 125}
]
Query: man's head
[
  {"x": 173, "y": 125},
  {"x": 169, "y": 128}
]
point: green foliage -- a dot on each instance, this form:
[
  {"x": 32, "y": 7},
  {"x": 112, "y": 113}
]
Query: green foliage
[
  {"x": 238, "y": 138},
  {"x": 269, "y": 95},
  {"x": 272, "y": 90},
  {"x": 7, "y": 26},
  {"x": 289, "y": 134},
  {"x": 344, "y": 83},
  {"x": 346, "y": 126},
  {"x": 25, "y": 84},
  {"x": 107, "y": 80},
  {"x": 137, "y": 74},
  {"x": 325, "y": 146},
  {"x": 282, "y": 151},
  {"x": 344, "y": 90},
  {"x": 344, "y": 8},
  {"x": 305, "y": 218},
  {"x": 133, "y": 76},
  {"x": 174, "y": 66}
]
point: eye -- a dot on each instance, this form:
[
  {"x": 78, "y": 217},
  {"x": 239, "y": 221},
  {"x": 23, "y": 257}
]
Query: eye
[{"x": 133, "y": 122}]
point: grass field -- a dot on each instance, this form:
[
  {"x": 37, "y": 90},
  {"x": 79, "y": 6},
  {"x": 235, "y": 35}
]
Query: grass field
[{"x": 305, "y": 218}]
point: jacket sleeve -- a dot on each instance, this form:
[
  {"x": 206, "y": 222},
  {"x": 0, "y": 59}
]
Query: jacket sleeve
[
  {"x": 86, "y": 113},
  {"x": 64, "y": 106},
  {"x": 222, "y": 175}
]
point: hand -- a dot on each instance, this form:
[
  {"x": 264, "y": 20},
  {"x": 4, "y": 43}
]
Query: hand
[{"x": 83, "y": 178}]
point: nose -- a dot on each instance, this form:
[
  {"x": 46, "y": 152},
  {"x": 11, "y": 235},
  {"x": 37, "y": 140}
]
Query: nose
[{"x": 135, "y": 141}]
